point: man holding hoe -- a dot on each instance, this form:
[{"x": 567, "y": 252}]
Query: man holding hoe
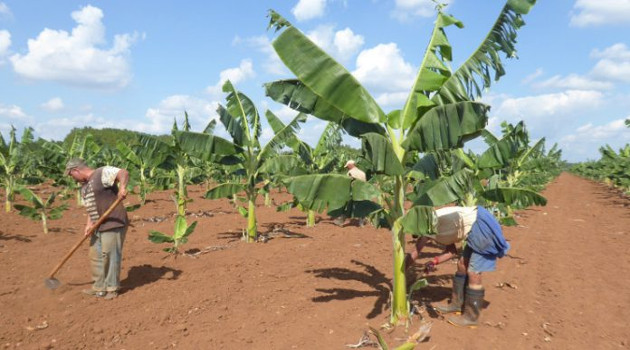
[
  {"x": 99, "y": 192},
  {"x": 483, "y": 242}
]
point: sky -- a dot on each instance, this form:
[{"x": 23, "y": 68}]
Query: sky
[{"x": 140, "y": 64}]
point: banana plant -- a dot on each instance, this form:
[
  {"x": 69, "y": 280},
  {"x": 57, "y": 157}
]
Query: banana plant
[
  {"x": 147, "y": 155},
  {"x": 13, "y": 157},
  {"x": 242, "y": 121},
  {"x": 180, "y": 235},
  {"x": 440, "y": 113},
  {"x": 322, "y": 159},
  {"x": 39, "y": 209}
]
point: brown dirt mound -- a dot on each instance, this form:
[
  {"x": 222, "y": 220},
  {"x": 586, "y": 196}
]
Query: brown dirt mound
[{"x": 563, "y": 285}]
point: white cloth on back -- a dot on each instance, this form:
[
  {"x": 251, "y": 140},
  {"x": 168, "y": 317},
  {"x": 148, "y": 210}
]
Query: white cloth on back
[
  {"x": 454, "y": 224},
  {"x": 356, "y": 173}
]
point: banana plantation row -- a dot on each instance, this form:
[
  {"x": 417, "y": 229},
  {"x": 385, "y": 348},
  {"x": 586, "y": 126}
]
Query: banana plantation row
[
  {"x": 413, "y": 156},
  {"x": 613, "y": 168}
]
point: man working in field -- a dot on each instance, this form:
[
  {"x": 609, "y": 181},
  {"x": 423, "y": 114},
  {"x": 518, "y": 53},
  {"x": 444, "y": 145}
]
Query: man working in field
[
  {"x": 484, "y": 243},
  {"x": 99, "y": 192},
  {"x": 356, "y": 174}
]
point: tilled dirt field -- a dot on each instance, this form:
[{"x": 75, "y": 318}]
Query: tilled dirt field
[{"x": 564, "y": 284}]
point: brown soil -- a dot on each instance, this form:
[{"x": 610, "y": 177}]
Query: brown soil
[{"x": 564, "y": 284}]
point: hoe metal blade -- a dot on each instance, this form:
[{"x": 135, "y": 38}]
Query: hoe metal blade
[{"x": 52, "y": 283}]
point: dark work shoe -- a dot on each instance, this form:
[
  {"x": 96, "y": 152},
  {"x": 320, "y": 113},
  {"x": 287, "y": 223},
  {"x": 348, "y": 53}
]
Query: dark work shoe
[
  {"x": 94, "y": 293},
  {"x": 110, "y": 295}
]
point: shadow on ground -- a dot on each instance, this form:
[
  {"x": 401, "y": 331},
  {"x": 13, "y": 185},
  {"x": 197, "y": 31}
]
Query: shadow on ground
[{"x": 370, "y": 276}]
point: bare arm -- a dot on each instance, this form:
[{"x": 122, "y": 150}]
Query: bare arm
[{"x": 122, "y": 177}]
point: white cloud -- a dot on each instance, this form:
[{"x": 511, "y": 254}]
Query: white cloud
[
  {"x": 5, "y": 43},
  {"x": 600, "y": 12},
  {"x": 236, "y": 75},
  {"x": 546, "y": 115},
  {"x": 392, "y": 99},
  {"x": 614, "y": 63},
  {"x": 549, "y": 105},
  {"x": 347, "y": 43},
  {"x": 76, "y": 58},
  {"x": 585, "y": 141},
  {"x": 341, "y": 45},
  {"x": 383, "y": 69},
  {"x": 309, "y": 9},
  {"x": 53, "y": 105},
  {"x": 200, "y": 112},
  {"x": 407, "y": 9},
  {"x": 613, "y": 66},
  {"x": 574, "y": 81},
  {"x": 12, "y": 112}
]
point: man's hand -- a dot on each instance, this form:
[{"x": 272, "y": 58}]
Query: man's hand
[
  {"x": 122, "y": 193},
  {"x": 429, "y": 267},
  {"x": 88, "y": 229}
]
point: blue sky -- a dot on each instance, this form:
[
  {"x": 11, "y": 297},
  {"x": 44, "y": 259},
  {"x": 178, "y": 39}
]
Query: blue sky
[{"x": 139, "y": 64}]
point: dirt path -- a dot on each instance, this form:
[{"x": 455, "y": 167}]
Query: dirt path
[{"x": 317, "y": 288}]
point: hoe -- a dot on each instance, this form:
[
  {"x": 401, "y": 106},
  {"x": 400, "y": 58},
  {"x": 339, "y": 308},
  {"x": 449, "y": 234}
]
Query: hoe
[{"x": 51, "y": 282}]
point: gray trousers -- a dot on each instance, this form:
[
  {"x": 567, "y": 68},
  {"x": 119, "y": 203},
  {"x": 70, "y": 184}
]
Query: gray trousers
[{"x": 105, "y": 258}]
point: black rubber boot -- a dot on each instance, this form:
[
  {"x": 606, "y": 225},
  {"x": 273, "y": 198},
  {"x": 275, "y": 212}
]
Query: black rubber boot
[
  {"x": 472, "y": 309},
  {"x": 457, "y": 298}
]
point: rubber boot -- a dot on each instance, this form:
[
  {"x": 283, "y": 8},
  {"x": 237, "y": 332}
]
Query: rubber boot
[
  {"x": 457, "y": 298},
  {"x": 472, "y": 309}
]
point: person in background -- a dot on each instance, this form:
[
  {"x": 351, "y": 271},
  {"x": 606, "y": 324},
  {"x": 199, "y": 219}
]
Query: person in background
[
  {"x": 481, "y": 233},
  {"x": 99, "y": 189},
  {"x": 357, "y": 174}
]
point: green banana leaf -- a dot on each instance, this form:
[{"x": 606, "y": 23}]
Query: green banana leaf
[
  {"x": 225, "y": 190},
  {"x": 322, "y": 74},
  {"x": 332, "y": 191},
  {"x": 474, "y": 75},
  {"x": 419, "y": 221},
  {"x": 445, "y": 127},
  {"x": 446, "y": 190},
  {"x": 159, "y": 237},
  {"x": 518, "y": 197},
  {"x": 434, "y": 71},
  {"x": 242, "y": 108},
  {"x": 205, "y": 146},
  {"x": 278, "y": 165},
  {"x": 379, "y": 152},
  {"x": 299, "y": 97}
]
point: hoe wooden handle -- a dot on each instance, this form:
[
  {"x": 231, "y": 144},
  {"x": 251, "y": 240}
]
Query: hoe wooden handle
[{"x": 94, "y": 227}]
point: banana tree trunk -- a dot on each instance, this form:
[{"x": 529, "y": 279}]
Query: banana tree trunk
[
  {"x": 400, "y": 309},
  {"x": 44, "y": 222},
  {"x": 310, "y": 218},
  {"x": 252, "y": 233},
  {"x": 181, "y": 191}
]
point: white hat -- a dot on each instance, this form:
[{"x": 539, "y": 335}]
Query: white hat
[{"x": 348, "y": 163}]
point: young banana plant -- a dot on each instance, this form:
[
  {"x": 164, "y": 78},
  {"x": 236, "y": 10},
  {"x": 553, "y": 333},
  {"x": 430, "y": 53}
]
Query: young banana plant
[
  {"x": 440, "y": 113},
  {"x": 180, "y": 235},
  {"x": 242, "y": 121},
  {"x": 40, "y": 210}
]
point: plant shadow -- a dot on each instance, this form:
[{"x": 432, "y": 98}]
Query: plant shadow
[
  {"x": 139, "y": 276},
  {"x": 21, "y": 238},
  {"x": 369, "y": 276}
]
